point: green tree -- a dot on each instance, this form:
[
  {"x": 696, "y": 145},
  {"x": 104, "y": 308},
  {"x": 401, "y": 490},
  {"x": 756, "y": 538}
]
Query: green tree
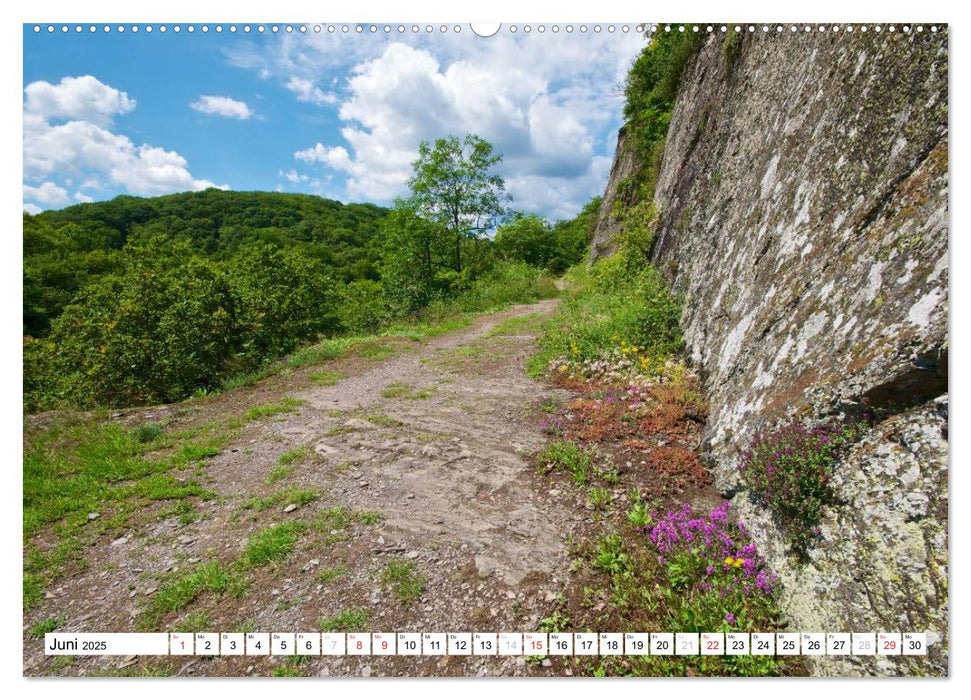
[
  {"x": 413, "y": 259},
  {"x": 284, "y": 297},
  {"x": 527, "y": 238},
  {"x": 531, "y": 239},
  {"x": 573, "y": 236},
  {"x": 453, "y": 185}
]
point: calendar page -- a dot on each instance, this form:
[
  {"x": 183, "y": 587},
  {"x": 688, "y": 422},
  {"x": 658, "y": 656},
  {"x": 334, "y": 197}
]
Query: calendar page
[{"x": 518, "y": 349}]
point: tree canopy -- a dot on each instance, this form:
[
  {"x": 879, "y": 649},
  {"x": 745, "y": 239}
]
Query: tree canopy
[{"x": 455, "y": 186}]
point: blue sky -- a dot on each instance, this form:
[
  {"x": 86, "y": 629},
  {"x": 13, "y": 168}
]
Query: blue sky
[{"x": 340, "y": 115}]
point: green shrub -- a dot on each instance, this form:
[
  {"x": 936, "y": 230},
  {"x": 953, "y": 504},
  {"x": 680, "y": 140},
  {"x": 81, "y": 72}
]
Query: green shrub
[
  {"x": 612, "y": 305},
  {"x": 790, "y": 467},
  {"x": 534, "y": 241},
  {"x": 507, "y": 283},
  {"x": 362, "y": 306},
  {"x": 173, "y": 323},
  {"x": 155, "y": 333},
  {"x": 284, "y": 297},
  {"x": 652, "y": 85}
]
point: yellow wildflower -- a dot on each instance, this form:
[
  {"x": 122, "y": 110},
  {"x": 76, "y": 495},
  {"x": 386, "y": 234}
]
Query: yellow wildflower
[
  {"x": 738, "y": 562},
  {"x": 729, "y": 561}
]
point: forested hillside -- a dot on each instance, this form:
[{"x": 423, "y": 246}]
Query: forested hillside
[
  {"x": 135, "y": 301},
  {"x": 66, "y": 249}
]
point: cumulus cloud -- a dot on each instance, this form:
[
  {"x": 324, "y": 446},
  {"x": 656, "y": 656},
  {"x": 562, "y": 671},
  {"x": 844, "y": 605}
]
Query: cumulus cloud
[
  {"x": 222, "y": 106},
  {"x": 47, "y": 193},
  {"x": 548, "y": 103},
  {"x": 306, "y": 91},
  {"x": 84, "y": 98},
  {"x": 68, "y": 135}
]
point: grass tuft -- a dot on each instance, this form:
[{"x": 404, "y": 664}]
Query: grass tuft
[
  {"x": 272, "y": 544},
  {"x": 400, "y": 577},
  {"x": 287, "y": 405},
  {"x": 355, "y": 620}
]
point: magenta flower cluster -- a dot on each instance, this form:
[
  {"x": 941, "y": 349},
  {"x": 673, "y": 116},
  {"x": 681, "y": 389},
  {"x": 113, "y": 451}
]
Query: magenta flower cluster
[{"x": 717, "y": 546}]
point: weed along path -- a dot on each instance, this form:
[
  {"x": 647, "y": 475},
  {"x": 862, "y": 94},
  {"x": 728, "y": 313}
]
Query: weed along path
[{"x": 390, "y": 492}]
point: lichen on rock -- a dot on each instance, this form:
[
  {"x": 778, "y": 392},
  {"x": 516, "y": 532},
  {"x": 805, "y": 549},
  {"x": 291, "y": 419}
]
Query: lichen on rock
[{"x": 803, "y": 217}]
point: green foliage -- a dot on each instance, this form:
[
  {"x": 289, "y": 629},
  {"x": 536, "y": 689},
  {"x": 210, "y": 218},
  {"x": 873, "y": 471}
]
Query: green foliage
[
  {"x": 193, "y": 622},
  {"x": 533, "y": 240},
  {"x": 414, "y": 259},
  {"x": 610, "y": 305},
  {"x": 326, "y": 377},
  {"x": 566, "y": 455},
  {"x": 640, "y": 515},
  {"x": 284, "y": 497},
  {"x": 139, "y": 301},
  {"x": 66, "y": 250},
  {"x": 454, "y": 186},
  {"x": 180, "y": 592},
  {"x": 790, "y": 468},
  {"x": 157, "y": 332},
  {"x": 598, "y": 498},
  {"x": 731, "y": 48},
  {"x": 400, "y": 577},
  {"x": 652, "y": 83},
  {"x": 355, "y": 620},
  {"x": 527, "y": 238},
  {"x": 294, "y": 455},
  {"x": 72, "y": 470},
  {"x": 504, "y": 284},
  {"x": 272, "y": 544},
  {"x": 59, "y": 261},
  {"x": 610, "y": 556},
  {"x": 573, "y": 236},
  {"x": 279, "y": 474},
  {"x": 362, "y": 306},
  {"x": 559, "y": 621},
  {"x": 400, "y": 390},
  {"x": 286, "y": 405},
  {"x": 172, "y": 323},
  {"x": 283, "y": 298},
  {"x": 147, "y": 432},
  {"x": 326, "y": 574},
  {"x": 369, "y": 517},
  {"x": 39, "y": 629}
]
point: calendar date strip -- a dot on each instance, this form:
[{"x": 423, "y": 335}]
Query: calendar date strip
[{"x": 487, "y": 644}]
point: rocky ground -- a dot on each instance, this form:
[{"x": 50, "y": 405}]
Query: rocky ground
[{"x": 424, "y": 514}]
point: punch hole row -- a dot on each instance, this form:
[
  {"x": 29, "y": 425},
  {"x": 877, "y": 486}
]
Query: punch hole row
[{"x": 513, "y": 28}]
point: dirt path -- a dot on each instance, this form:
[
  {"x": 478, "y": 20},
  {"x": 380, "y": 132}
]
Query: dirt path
[{"x": 422, "y": 514}]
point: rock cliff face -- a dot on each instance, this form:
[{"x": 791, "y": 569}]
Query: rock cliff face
[{"x": 803, "y": 217}]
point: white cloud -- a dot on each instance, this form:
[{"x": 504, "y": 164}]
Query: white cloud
[
  {"x": 336, "y": 157},
  {"x": 47, "y": 193},
  {"x": 293, "y": 176},
  {"x": 84, "y": 148},
  {"x": 559, "y": 197},
  {"x": 222, "y": 106},
  {"x": 306, "y": 91},
  {"x": 32, "y": 208},
  {"x": 549, "y": 104},
  {"x": 82, "y": 197},
  {"x": 83, "y": 98}
]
